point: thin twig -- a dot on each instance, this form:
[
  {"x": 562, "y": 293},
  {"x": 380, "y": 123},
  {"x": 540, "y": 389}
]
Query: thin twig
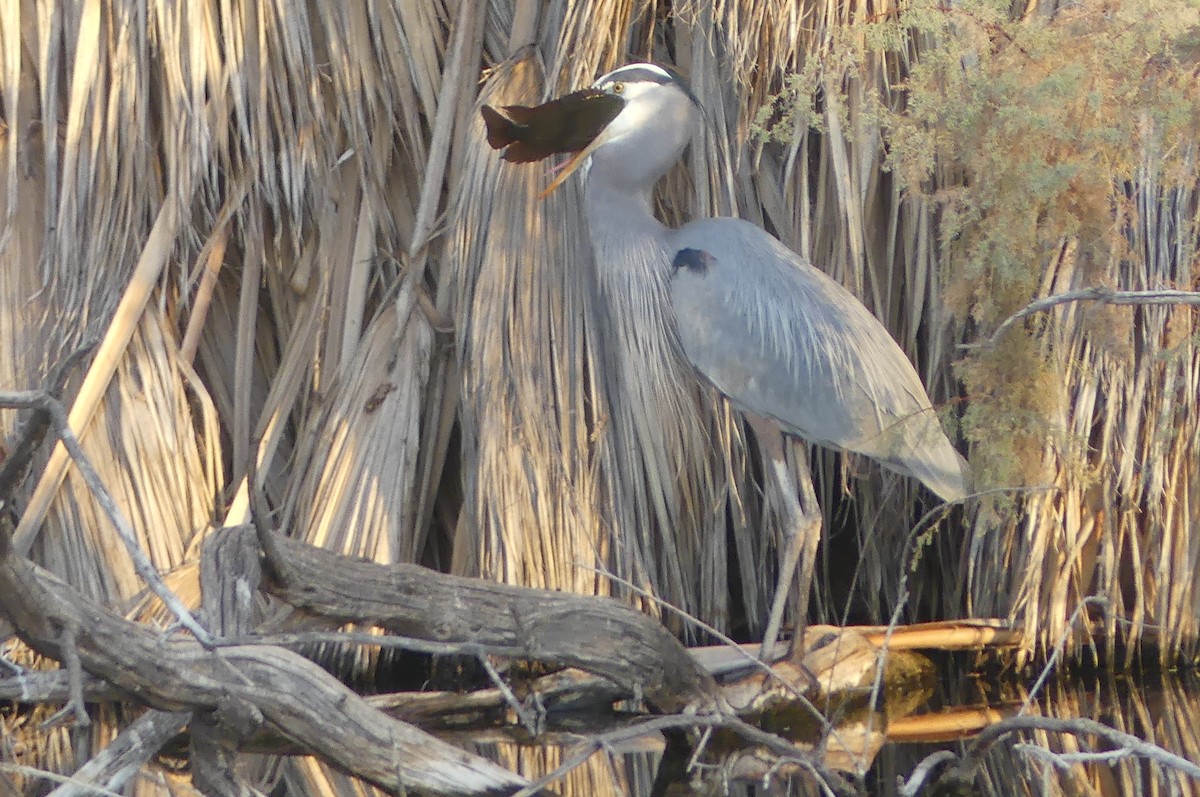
[
  {"x": 40, "y": 399},
  {"x": 70, "y": 660},
  {"x": 823, "y": 782},
  {"x": 916, "y": 780},
  {"x": 1093, "y": 294},
  {"x": 1059, "y": 648},
  {"x": 1076, "y": 727},
  {"x": 1065, "y": 761},
  {"x": 530, "y": 723},
  {"x": 1126, "y": 744},
  {"x": 699, "y": 749}
]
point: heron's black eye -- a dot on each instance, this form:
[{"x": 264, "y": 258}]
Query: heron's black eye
[{"x": 618, "y": 88}]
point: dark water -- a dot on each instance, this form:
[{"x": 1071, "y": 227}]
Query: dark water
[{"x": 1163, "y": 710}]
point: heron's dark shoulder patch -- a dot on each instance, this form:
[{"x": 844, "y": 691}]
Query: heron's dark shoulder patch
[{"x": 696, "y": 261}]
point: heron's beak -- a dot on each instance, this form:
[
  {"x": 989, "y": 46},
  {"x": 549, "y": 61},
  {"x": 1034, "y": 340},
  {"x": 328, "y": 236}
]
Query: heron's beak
[
  {"x": 570, "y": 167},
  {"x": 571, "y": 124}
]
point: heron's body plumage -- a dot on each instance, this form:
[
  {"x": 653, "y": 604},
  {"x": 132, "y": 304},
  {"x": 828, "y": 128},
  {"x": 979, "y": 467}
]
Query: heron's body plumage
[
  {"x": 782, "y": 339},
  {"x": 775, "y": 335}
]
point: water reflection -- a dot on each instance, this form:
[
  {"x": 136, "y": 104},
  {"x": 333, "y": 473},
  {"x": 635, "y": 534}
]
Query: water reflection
[{"x": 1163, "y": 710}]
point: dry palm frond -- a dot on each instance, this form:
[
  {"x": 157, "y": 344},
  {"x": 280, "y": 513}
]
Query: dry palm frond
[
  {"x": 94, "y": 134},
  {"x": 604, "y": 774},
  {"x": 156, "y": 448},
  {"x": 308, "y": 776},
  {"x": 530, "y": 495},
  {"x": 356, "y": 489}
]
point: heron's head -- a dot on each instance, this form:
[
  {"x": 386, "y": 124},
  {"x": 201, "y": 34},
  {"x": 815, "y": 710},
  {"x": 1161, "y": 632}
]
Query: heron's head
[{"x": 633, "y": 123}]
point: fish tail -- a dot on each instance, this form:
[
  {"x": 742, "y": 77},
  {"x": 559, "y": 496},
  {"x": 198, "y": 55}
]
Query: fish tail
[{"x": 501, "y": 131}]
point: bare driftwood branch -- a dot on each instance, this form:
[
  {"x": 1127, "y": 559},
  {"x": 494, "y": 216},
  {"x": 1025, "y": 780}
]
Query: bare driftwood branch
[
  {"x": 213, "y": 754},
  {"x": 1076, "y": 727},
  {"x": 51, "y": 686},
  {"x": 559, "y": 691},
  {"x": 751, "y": 659},
  {"x": 234, "y": 688},
  {"x": 917, "y": 779},
  {"x": 963, "y": 770},
  {"x": 229, "y": 578},
  {"x": 135, "y": 745},
  {"x": 1094, "y": 294},
  {"x": 70, "y": 662},
  {"x": 601, "y": 636},
  {"x": 295, "y": 696}
]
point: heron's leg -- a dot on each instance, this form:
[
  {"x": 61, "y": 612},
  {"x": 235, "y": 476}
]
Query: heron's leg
[
  {"x": 808, "y": 531},
  {"x": 793, "y": 546},
  {"x": 802, "y": 528}
]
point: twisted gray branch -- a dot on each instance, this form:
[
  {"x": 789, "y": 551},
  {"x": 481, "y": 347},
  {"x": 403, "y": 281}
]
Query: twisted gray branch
[{"x": 1096, "y": 293}]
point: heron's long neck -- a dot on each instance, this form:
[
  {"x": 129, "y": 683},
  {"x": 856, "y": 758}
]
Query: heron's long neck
[
  {"x": 633, "y": 252},
  {"x": 654, "y": 439},
  {"x": 630, "y": 245}
]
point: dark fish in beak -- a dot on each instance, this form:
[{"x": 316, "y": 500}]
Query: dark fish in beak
[{"x": 567, "y": 124}]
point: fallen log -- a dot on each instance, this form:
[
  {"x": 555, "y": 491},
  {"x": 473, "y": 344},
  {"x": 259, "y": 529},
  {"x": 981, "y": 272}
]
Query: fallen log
[
  {"x": 294, "y": 696},
  {"x": 599, "y": 635},
  {"x": 243, "y": 686}
]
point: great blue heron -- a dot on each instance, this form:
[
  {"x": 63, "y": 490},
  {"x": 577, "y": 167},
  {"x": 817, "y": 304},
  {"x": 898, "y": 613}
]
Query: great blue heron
[{"x": 791, "y": 348}]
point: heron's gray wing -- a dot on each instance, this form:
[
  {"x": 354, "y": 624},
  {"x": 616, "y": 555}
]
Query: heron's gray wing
[{"x": 782, "y": 339}]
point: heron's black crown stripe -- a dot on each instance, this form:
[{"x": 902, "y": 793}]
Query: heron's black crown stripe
[
  {"x": 651, "y": 73},
  {"x": 695, "y": 260}
]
